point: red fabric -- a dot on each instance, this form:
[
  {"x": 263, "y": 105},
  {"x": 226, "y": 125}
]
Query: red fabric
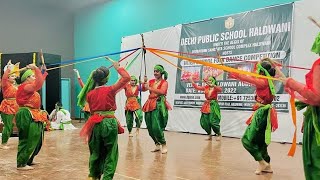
[
  {"x": 132, "y": 103},
  {"x": 263, "y": 93},
  {"x": 27, "y": 90},
  {"x": 87, "y": 128},
  {"x": 309, "y": 93},
  {"x": 161, "y": 89},
  {"x": 103, "y": 98},
  {"x": 209, "y": 96},
  {"x": 129, "y": 92},
  {"x": 9, "y": 91},
  {"x": 309, "y": 76}
]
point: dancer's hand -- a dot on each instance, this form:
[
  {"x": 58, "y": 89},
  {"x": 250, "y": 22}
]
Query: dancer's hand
[
  {"x": 43, "y": 68},
  {"x": 31, "y": 66},
  {"x": 77, "y": 72},
  {"x": 284, "y": 80},
  {"x": 145, "y": 79},
  {"x": 146, "y": 86},
  {"x": 191, "y": 78},
  {"x": 116, "y": 65}
]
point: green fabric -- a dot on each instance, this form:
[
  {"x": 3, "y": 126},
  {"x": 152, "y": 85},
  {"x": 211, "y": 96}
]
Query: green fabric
[
  {"x": 30, "y": 137},
  {"x": 253, "y": 139},
  {"x": 316, "y": 45},
  {"x": 156, "y": 123},
  {"x": 84, "y": 91},
  {"x": 7, "y": 128},
  {"x": 103, "y": 146},
  {"x": 63, "y": 123},
  {"x": 161, "y": 70},
  {"x": 212, "y": 120},
  {"x": 310, "y": 144},
  {"x": 26, "y": 74},
  {"x": 163, "y": 110},
  {"x": 136, "y": 115},
  {"x": 271, "y": 85}
]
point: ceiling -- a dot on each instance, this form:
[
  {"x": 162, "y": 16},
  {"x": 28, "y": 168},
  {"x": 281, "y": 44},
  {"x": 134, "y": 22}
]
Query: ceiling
[{"x": 68, "y": 5}]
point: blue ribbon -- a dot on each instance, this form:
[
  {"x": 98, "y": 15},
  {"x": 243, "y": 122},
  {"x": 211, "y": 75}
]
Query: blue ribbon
[{"x": 92, "y": 57}]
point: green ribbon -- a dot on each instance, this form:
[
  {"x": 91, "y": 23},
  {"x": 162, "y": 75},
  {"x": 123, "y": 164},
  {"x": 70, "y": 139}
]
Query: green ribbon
[
  {"x": 129, "y": 65},
  {"x": 84, "y": 91},
  {"x": 271, "y": 85},
  {"x": 163, "y": 111}
]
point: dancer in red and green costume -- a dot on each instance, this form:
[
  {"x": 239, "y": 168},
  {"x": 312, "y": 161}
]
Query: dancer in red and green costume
[
  {"x": 101, "y": 129},
  {"x": 132, "y": 108},
  {"x": 309, "y": 98},
  {"x": 9, "y": 106},
  {"x": 30, "y": 118},
  {"x": 85, "y": 107},
  {"x": 257, "y": 136},
  {"x": 210, "y": 110},
  {"x": 156, "y": 107}
]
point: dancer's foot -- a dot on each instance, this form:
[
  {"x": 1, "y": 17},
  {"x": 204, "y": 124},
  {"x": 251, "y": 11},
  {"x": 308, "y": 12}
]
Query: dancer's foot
[
  {"x": 164, "y": 149},
  {"x": 268, "y": 169},
  {"x": 262, "y": 166},
  {"x": 130, "y": 134},
  {"x": 218, "y": 138},
  {"x": 4, "y": 146},
  {"x": 137, "y": 131},
  {"x": 34, "y": 163},
  {"x": 156, "y": 149},
  {"x": 209, "y": 137},
  {"x": 25, "y": 168}
]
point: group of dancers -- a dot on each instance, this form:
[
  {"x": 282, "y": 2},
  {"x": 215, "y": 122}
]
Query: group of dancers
[{"x": 101, "y": 130}]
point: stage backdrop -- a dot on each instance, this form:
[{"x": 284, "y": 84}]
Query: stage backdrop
[{"x": 247, "y": 36}]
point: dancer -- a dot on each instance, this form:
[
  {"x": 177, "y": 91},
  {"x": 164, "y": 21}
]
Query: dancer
[
  {"x": 132, "y": 108},
  {"x": 210, "y": 110},
  {"x": 9, "y": 106},
  {"x": 101, "y": 129},
  {"x": 85, "y": 109},
  {"x": 156, "y": 107},
  {"x": 257, "y": 136},
  {"x": 29, "y": 117},
  {"x": 309, "y": 96}
]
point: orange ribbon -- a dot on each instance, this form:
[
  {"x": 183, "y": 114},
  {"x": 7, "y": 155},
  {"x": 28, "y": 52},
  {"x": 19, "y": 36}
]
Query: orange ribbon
[{"x": 294, "y": 120}]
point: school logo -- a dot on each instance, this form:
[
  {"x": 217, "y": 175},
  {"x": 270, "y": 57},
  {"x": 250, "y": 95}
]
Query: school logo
[{"x": 229, "y": 23}]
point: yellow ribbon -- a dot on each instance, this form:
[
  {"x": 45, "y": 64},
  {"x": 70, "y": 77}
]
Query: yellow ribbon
[{"x": 216, "y": 66}]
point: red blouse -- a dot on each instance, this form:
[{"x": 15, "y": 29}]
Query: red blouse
[
  {"x": 156, "y": 89},
  {"x": 103, "y": 98},
  {"x": 132, "y": 103},
  {"x": 263, "y": 93},
  {"x": 208, "y": 95},
  {"x": 9, "y": 90},
  {"x": 309, "y": 93}
]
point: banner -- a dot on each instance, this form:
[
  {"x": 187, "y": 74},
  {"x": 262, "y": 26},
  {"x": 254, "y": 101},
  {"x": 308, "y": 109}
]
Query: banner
[{"x": 248, "y": 36}]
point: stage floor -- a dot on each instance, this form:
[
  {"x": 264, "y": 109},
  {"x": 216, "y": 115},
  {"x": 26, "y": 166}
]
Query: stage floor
[{"x": 65, "y": 156}]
